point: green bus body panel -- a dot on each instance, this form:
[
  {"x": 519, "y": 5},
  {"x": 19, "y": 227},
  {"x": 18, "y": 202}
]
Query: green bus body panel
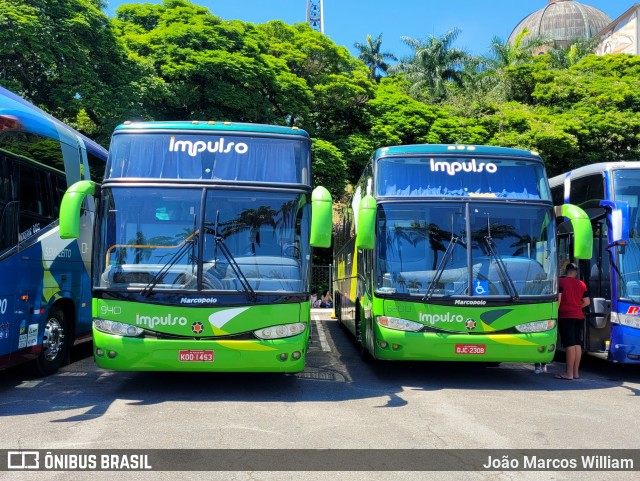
[
  {"x": 70, "y": 208},
  {"x": 441, "y": 346},
  {"x": 229, "y": 354},
  {"x": 195, "y": 126},
  {"x": 582, "y": 230},
  {"x": 321, "y": 218},
  {"x": 366, "y": 233}
]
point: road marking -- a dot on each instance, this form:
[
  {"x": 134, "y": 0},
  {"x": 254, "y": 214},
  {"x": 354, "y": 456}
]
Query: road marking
[{"x": 322, "y": 337}]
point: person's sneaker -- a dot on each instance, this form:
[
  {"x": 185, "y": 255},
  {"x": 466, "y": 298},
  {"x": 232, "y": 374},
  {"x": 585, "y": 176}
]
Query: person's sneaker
[
  {"x": 544, "y": 368},
  {"x": 538, "y": 370}
]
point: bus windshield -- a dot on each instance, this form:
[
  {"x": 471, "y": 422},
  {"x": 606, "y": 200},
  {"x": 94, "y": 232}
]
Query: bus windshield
[
  {"x": 209, "y": 156},
  {"x": 461, "y": 177},
  {"x": 156, "y": 240},
  {"x": 427, "y": 251},
  {"x": 626, "y": 186}
]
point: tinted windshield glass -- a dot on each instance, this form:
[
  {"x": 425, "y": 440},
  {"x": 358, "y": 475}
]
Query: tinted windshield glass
[
  {"x": 626, "y": 185},
  {"x": 423, "y": 250},
  {"x": 461, "y": 177},
  {"x": 148, "y": 232},
  {"x": 207, "y": 156}
]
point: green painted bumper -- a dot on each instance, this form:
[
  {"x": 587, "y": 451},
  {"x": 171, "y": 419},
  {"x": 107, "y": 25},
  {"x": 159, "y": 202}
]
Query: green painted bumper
[
  {"x": 415, "y": 346},
  {"x": 140, "y": 354}
]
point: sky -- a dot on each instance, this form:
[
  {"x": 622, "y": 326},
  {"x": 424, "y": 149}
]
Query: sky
[{"x": 349, "y": 21}]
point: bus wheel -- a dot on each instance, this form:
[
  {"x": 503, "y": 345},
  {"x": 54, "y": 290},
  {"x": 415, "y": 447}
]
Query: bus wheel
[
  {"x": 363, "y": 343},
  {"x": 337, "y": 310},
  {"x": 54, "y": 345}
]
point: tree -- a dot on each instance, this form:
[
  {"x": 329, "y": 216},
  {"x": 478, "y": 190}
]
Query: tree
[
  {"x": 434, "y": 63},
  {"x": 373, "y": 58},
  {"x": 506, "y": 54},
  {"x": 329, "y": 169},
  {"x": 569, "y": 55},
  {"x": 64, "y": 56}
]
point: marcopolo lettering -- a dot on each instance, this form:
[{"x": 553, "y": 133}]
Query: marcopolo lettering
[
  {"x": 194, "y": 148},
  {"x": 472, "y": 166},
  {"x": 460, "y": 302},
  {"x": 433, "y": 318},
  {"x": 167, "y": 320}
]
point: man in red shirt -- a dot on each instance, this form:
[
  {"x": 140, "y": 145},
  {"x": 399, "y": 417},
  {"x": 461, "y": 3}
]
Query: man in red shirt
[{"x": 573, "y": 298}]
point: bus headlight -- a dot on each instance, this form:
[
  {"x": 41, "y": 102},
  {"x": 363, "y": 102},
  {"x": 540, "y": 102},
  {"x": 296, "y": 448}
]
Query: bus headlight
[
  {"x": 399, "y": 324},
  {"x": 625, "y": 320},
  {"x": 536, "y": 326},
  {"x": 116, "y": 328},
  {"x": 283, "y": 330}
]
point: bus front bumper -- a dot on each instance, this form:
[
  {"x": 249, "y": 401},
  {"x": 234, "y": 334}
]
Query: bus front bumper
[
  {"x": 144, "y": 354},
  {"x": 427, "y": 346},
  {"x": 625, "y": 344}
]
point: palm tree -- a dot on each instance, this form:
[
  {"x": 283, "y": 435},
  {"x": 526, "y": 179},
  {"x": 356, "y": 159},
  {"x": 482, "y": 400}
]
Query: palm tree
[
  {"x": 521, "y": 51},
  {"x": 434, "y": 64},
  {"x": 579, "y": 48},
  {"x": 373, "y": 58}
]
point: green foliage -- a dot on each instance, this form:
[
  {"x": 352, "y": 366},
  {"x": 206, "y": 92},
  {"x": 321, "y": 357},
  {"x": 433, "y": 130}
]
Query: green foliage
[
  {"x": 178, "y": 61},
  {"x": 329, "y": 169}
]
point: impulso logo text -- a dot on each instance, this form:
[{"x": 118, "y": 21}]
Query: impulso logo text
[
  {"x": 194, "y": 148},
  {"x": 471, "y": 166},
  {"x": 168, "y": 320},
  {"x": 434, "y": 318}
]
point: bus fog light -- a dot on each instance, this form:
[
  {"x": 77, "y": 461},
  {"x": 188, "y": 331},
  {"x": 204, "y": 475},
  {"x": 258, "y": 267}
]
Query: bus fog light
[
  {"x": 552, "y": 348},
  {"x": 281, "y": 331},
  {"x": 296, "y": 355},
  {"x": 99, "y": 352},
  {"x": 283, "y": 356},
  {"x": 540, "y": 348},
  {"x": 383, "y": 345},
  {"x": 395, "y": 347},
  {"x": 112, "y": 354}
]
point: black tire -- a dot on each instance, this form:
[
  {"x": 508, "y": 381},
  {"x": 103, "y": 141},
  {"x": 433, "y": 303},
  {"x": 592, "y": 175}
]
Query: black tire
[
  {"x": 363, "y": 344},
  {"x": 55, "y": 345},
  {"x": 337, "y": 310}
]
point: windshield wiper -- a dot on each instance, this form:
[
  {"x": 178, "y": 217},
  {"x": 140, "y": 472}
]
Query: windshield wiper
[
  {"x": 219, "y": 242},
  {"x": 189, "y": 243},
  {"x": 440, "y": 270},
  {"x": 493, "y": 252}
]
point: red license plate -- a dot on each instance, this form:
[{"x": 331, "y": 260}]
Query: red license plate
[
  {"x": 195, "y": 356},
  {"x": 471, "y": 349}
]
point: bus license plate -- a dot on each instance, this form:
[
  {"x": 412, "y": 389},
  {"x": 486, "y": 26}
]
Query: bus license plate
[
  {"x": 470, "y": 348},
  {"x": 195, "y": 356}
]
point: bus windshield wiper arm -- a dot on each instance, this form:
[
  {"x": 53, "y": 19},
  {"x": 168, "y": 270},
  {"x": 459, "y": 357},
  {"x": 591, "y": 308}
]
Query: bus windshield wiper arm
[
  {"x": 219, "y": 241},
  {"x": 493, "y": 252},
  {"x": 189, "y": 242},
  {"x": 443, "y": 263}
]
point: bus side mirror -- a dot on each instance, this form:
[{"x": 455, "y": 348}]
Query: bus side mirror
[
  {"x": 366, "y": 228},
  {"x": 582, "y": 229},
  {"x": 321, "y": 217},
  {"x": 70, "y": 208},
  {"x": 618, "y": 220}
]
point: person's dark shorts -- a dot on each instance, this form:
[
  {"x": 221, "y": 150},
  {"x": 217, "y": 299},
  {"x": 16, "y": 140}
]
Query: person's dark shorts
[{"x": 571, "y": 332}]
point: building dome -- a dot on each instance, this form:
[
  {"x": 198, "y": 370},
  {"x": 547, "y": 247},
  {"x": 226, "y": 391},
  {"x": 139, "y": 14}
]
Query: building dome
[{"x": 563, "y": 21}]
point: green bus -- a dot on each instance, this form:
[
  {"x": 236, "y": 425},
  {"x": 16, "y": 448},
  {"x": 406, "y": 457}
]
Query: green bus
[
  {"x": 449, "y": 253},
  {"x": 202, "y": 247}
]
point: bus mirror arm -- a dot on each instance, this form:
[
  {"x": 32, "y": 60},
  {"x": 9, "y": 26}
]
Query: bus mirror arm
[
  {"x": 617, "y": 221},
  {"x": 70, "y": 208},
  {"x": 582, "y": 229}
]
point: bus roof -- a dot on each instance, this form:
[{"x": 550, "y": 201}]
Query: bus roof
[
  {"x": 456, "y": 148},
  {"x": 593, "y": 169},
  {"x": 212, "y": 126},
  {"x": 37, "y": 121}
]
